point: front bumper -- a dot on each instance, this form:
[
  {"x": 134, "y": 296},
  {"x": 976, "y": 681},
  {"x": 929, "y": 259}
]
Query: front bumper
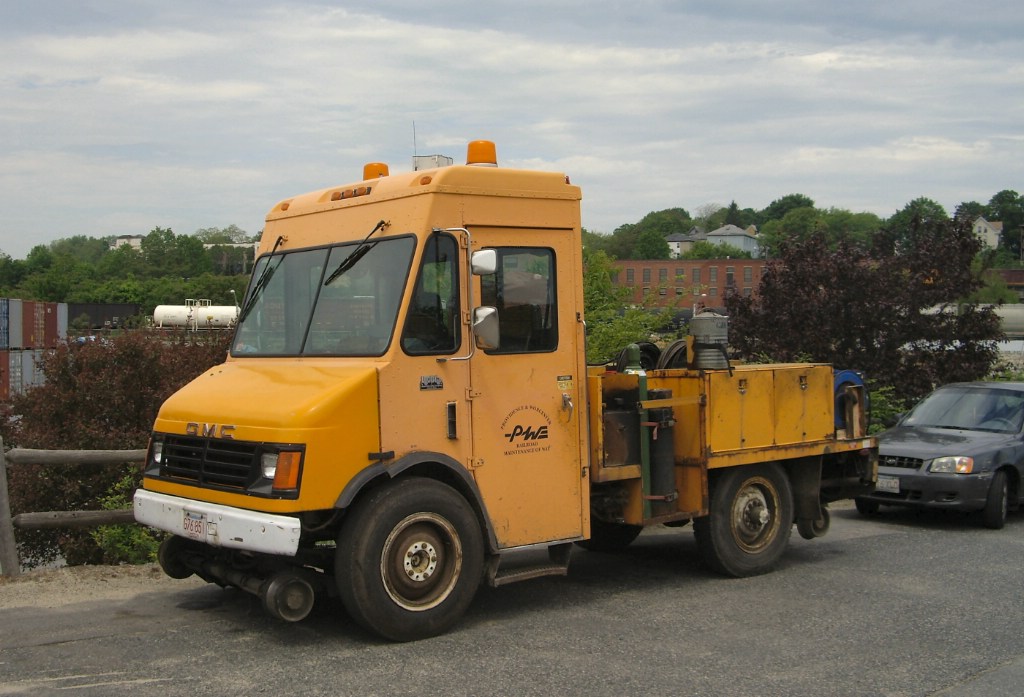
[
  {"x": 217, "y": 525},
  {"x": 962, "y": 492}
]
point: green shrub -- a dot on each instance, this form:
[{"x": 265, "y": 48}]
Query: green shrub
[
  {"x": 886, "y": 407},
  {"x": 98, "y": 395},
  {"x": 125, "y": 544}
]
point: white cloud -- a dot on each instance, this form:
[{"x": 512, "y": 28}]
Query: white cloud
[{"x": 193, "y": 115}]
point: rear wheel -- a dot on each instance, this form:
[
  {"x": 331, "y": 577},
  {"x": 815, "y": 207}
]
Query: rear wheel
[
  {"x": 749, "y": 522},
  {"x": 997, "y": 502},
  {"x": 409, "y": 559}
]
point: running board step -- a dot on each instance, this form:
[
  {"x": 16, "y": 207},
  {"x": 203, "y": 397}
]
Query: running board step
[{"x": 557, "y": 565}]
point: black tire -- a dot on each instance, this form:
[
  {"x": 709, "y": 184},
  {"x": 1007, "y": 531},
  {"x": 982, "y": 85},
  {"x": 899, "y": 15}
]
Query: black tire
[
  {"x": 866, "y": 507},
  {"x": 170, "y": 556},
  {"x": 674, "y": 356},
  {"x": 609, "y": 537},
  {"x": 810, "y": 529},
  {"x": 997, "y": 502},
  {"x": 749, "y": 523},
  {"x": 409, "y": 559}
]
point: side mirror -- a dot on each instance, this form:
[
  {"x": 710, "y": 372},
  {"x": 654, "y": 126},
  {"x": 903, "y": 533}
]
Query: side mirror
[
  {"x": 485, "y": 263},
  {"x": 485, "y": 327}
]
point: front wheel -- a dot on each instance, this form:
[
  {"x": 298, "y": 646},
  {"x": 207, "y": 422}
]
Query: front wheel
[
  {"x": 409, "y": 559},
  {"x": 749, "y": 522},
  {"x": 997, "y": 503}
]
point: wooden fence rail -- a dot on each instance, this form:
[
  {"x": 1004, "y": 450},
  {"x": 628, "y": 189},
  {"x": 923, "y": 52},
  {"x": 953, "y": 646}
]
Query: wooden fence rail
[{"x": 10, "y": 564}]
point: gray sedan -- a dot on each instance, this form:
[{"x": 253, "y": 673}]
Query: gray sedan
[{"x": 960, "y": 448}]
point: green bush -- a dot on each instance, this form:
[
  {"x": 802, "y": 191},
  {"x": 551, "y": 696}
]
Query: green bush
[
  {"x": 98, "y": 395},
  {"x": 886, "y": 407},
  {"x": 125, "y": 544}
]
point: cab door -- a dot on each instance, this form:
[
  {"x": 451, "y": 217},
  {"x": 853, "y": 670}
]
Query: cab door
[{"x": 525, "y": 395}]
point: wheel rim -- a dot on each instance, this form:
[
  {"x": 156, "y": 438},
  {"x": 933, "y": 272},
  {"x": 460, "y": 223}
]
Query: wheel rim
[
  {"x": 421, "y": 561},
  {"x": 754, "y": 518}
]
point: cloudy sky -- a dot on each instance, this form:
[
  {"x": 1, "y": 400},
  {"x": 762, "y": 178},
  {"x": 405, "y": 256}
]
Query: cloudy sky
[{"x": 120, "y": 116}]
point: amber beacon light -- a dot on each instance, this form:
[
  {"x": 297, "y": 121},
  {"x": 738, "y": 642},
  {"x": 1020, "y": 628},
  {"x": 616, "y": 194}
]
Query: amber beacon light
[{"x": 482, "y": 153}]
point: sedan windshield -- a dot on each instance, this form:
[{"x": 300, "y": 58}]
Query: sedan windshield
[
  {"x": 975, "y": 408},
  {"x": 331, "y": 301}
]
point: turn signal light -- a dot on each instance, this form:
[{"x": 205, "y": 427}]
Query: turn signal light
[{"x": 286, "y": 476}]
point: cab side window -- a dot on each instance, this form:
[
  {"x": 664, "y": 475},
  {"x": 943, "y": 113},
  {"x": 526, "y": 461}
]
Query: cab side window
[
  {"x": 432, "y": 322},
  {"x": 523, "y": 291}
]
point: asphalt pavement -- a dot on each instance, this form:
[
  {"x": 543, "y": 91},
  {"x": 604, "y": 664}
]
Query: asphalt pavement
[{"x": 902, "y": 604}]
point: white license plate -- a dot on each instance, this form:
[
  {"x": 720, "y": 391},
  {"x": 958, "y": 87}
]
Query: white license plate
[
  {"x": 890, "y": 485},
  {"x": 193, "y": 525}
]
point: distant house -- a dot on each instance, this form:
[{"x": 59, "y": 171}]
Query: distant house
[
  {"x": 133, "y": 241},
  {"x": 675, "y": 244},
  {"x": 988, "y": 232},
  {"x": 680, "y": 243},
  {"x": 744, "y": 240}
]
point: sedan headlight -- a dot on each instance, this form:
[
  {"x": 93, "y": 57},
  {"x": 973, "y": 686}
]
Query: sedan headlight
[{"x": 952, "y": 465}]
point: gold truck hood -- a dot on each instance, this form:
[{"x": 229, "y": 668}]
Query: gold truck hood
[{"x": 255, "y": 395}]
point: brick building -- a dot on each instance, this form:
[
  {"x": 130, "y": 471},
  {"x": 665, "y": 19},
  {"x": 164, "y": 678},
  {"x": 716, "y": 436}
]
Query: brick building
[{"x": 684, "y": 282}]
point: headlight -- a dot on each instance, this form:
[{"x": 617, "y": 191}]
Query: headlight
[
  {"x": 952, "y": 465},
  {"x": 157, "y": 452},
  {"x": 282, "y": 467},
  {"x": 268, "y": 461}
]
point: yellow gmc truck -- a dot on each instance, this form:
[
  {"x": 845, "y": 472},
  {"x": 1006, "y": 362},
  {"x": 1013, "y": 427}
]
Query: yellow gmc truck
[{"x": 406, "y": 412}]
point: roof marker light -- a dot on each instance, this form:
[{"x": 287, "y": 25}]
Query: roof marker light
[
  {"x": 375, "y": 170},
  {"x": 482, "y": 153}
]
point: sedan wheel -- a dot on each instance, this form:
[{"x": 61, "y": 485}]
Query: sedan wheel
[{"x": 997, "y": 502}]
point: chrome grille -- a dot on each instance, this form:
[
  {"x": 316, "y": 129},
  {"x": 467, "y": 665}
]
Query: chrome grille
[{"x": 910, "y": 463}]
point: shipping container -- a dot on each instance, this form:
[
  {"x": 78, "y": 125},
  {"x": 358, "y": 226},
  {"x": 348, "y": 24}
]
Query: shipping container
[
  {"x": 5, "y": 323},
  {"x": 31, "y": 331},
  {"x": 14, "y": 366},
  {"x": 16, "y": 339},
  {"x": 62, "y": 322},
  {"x": 84, "y": 316},
  {"x": 31, "y": 374},
  {"x": 50, "y": 333},
  {"x": 5, "y": 375}
]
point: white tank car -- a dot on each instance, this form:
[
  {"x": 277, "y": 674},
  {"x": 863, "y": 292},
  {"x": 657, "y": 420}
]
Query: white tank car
[{"x": 195, "y": 315}]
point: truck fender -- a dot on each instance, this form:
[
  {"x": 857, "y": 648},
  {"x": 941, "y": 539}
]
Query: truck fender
[{"x": 458, "y": 476}]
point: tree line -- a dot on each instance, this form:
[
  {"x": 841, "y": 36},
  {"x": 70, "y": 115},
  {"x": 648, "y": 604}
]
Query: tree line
[
  {"x": 906, "y": 300},
  {"x": 795, "y": 217},
  {"x": 166, "y": 268}
]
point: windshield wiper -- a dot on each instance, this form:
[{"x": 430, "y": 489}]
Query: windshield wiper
[
  {"x": 358, "y": 253},
  {"x": 261, "y": 282}
]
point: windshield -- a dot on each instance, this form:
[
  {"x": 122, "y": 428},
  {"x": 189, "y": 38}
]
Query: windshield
[
  {"x": 975, "y": 408},
  {"x": 303, "y": 307}
]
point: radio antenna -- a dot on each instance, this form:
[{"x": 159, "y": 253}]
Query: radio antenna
[{"x": 414, "y": 152}]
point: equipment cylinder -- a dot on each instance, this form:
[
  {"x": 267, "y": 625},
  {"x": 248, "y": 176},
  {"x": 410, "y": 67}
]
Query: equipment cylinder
[
  {"x": 710, "y": 332},
  {"x": 663, "y": 465}
]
